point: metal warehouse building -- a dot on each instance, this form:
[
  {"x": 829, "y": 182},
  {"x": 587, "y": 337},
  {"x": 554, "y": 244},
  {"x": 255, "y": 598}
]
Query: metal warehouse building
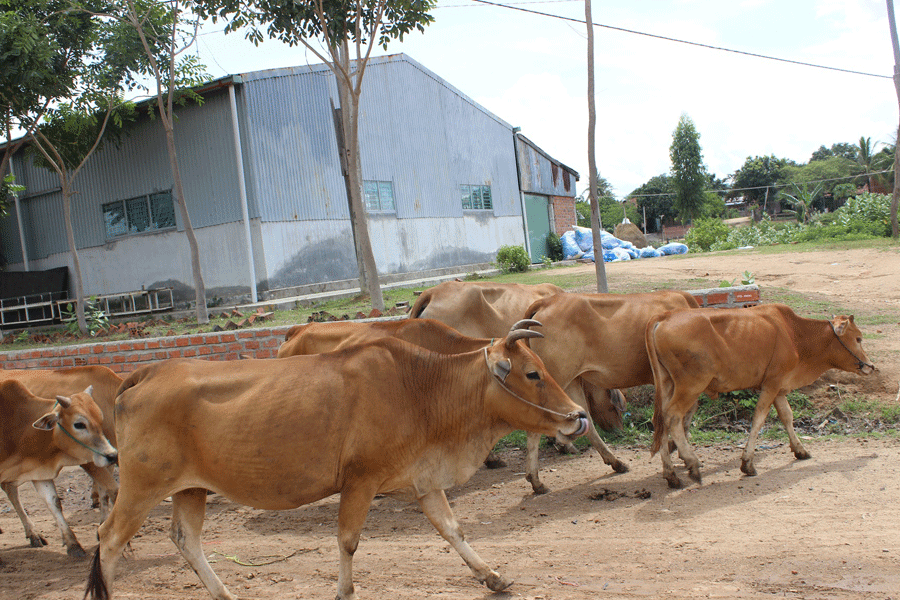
[{"x": 446, "y": 184}]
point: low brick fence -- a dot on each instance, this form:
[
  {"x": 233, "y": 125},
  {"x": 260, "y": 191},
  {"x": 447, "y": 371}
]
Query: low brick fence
[{"x": 127, "y": 355}]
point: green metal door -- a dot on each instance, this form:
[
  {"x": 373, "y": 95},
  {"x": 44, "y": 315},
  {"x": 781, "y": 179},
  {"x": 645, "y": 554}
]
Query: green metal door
[{"x": 537, "y": 216}]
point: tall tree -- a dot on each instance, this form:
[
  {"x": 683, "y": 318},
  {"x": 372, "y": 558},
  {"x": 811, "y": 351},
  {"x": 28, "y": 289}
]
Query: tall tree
[
  {"x": 162, "y": 31},
  {"x": 596, "y": 224},
  {"x": 689, "y": 176},
  {"x": 336, "y": 24}
]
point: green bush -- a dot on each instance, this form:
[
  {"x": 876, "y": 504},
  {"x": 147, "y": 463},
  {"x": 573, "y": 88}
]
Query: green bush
[
  {"x": 866, "y": 212},
  {"x": 554, "y": 248},
  {"x": 512, "y": 259},
  {"x": 705, "y": 233}
]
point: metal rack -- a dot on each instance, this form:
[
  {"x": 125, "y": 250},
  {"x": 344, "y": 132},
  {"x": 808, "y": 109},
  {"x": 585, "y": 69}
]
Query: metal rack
[
  {"x": 53, "y": 307},
  {"x": 32, "y": 309}
]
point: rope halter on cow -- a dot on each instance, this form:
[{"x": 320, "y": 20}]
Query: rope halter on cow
[
  {"x": 520, "y": 331},
  {"x": 859, "y": 362},
  {"x": 75, "y": 439}
]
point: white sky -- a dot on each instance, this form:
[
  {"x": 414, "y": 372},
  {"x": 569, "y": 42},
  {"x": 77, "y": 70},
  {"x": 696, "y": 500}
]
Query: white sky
[{"x": 531, "y": 71}]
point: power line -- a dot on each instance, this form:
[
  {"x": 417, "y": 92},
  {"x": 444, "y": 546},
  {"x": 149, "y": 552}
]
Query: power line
[
  {"x": 689, "y": 43},
  {"x": 762, "y": 187}
]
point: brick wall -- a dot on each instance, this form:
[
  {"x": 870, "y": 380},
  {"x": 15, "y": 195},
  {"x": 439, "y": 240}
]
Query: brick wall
[
  {"x": 126, "y": 356},
  {"x": 563, "y": 214}
]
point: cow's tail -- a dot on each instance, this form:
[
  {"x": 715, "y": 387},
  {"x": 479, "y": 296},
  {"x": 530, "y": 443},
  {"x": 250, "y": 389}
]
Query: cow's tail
[
  {"x": 96, "y": 586},
  {"x": 660, "y": 381}
]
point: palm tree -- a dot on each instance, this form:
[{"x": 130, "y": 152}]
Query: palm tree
[{"x": 866, "y": 159}]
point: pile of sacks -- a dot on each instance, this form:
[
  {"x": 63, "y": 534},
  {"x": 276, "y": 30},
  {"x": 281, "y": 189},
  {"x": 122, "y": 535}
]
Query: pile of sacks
[{"x": 579, "y": 243}]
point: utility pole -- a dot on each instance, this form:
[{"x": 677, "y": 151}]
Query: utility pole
[
  {"x": 894, "y": 200},
  {"x": 599, "y": 265}
]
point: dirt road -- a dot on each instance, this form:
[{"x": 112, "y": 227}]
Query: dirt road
[{"x": 827, "y": 528}]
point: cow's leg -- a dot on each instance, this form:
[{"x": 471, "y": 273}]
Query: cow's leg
[
  {"x": 125, "y": 519},
  {"x": 686, "y": 426},
  {"x": 532, "y": 470},
  {"x": 355, "y": 503},
  {"x": 435, "y": 506},
  {"x": 188, "y": 512},
  {"x": 786, "y": 416},
  {"x": 104, "y": 486},
  {"x": 575, "y": 390},
  {"x": 763, "y": 405},
  {"x": 12, "y": 492},
  {"x": 675, "y": 426},
  {"x": 493, "y": 461},
  {"x": 47, "y": 490}
]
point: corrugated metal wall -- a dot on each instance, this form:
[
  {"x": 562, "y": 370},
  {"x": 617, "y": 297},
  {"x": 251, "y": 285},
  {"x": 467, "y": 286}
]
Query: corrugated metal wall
[
  {"x": 418, "y": 132},
  {"x": 539, "y": 174},
  {"x": 139, "y": 166}
]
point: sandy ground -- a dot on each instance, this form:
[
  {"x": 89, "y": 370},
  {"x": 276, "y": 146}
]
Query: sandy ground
[{"x": 825, "y": 528}]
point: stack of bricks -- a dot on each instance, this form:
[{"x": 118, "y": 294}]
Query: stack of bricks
[{"x": 127, "y": 355}]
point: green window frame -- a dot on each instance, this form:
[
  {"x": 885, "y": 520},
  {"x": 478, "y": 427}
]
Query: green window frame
[
  {"x": 476, "y": 197},
  {"x": 141, "y": 214},
  {"x": 379, "y": 196}
]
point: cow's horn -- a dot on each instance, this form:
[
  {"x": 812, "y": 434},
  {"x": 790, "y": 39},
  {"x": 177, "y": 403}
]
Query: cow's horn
[
  {"x": 518, "y": 334},
  {"x": 525, "y": 324}
]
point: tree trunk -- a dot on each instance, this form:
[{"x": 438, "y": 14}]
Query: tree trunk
[
  {"x": 368, "y": 277},
  {"x": 73, "y": 250},
  {"x": 199, "y": 286},
  {"x": 896, "y": 47},
  {"x": 599, "y": 265}
]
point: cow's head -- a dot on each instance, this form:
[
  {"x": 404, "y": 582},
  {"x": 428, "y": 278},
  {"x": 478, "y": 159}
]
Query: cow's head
[
  {"x": 77, "y": 426},
  {"x": 523, "y": 393},
  {"x": 850, "y": 356}
]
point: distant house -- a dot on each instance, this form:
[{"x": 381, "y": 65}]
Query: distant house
[{"x": 446, "y": 184}]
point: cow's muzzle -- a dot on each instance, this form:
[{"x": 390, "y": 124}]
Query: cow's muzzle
[
  {"x": 107, "y": 459},
  {"x": 581, "y": 423}
]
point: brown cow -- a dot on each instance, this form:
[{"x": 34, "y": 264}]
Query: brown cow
[
  {"x": 597, "y": 338},
  {"x": 38, "y": 438},
  {"x": 65, "y": 382},
  {"x": 485, "y": 310},
  {"x": 385, "y": 417},
  {"x": 767, "y": 347}
]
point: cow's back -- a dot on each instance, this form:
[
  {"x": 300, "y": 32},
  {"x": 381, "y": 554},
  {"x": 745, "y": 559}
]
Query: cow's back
[
  {"x": 601, "y": 335},
  {"x": 479, "y": 309},
  {"x": 48, "y": 383}
]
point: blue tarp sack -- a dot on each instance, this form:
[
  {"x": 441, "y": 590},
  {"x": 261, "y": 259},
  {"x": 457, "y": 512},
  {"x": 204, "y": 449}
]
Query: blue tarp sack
[
  {"x": 649, "y": 252},
  {"x": 609, "y": 241},
  {"x": 570, "y": 247},
  {"x": 673, "y": 248},
  {"x": 588, "y": 255},
  {"x": 584, "y": 238},
  {"x": 620, "y": 254}
]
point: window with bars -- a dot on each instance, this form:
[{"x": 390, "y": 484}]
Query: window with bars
[
  {"x": 476, "y": 197},
  {"x": 153, "y": 212},
  {"x": 379, "y": 196}
]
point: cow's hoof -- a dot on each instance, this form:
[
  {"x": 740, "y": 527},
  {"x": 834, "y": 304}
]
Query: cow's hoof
[
  {"x": 674, "y": 482},
  {"x": 492, "y": 462},
  {"x": 747, "y": 468},
  {"x": 695, "y": 475},
  {"x": 497, "y": 583},
  {"x": 619, "y": 467},
  {"x": 76, "y": 551},
  {"x": 566, "y": 449},
  {"x": 539, "y": 487},
  {"x": 37, "y": 541},
  {"x": 802, "y": 455}
]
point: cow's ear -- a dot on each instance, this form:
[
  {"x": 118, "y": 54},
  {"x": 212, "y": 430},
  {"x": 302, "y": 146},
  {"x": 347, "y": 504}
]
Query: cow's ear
[
  {"x": 47, "y": 422},
  {"x": 501, "y": 369},
  {"x": 840, "y": 324},
  {"x": 89, "y": 390}
]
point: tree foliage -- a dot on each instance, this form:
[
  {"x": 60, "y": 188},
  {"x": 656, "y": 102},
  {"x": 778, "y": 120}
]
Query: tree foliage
[
  {"x": 756, "y": 178},
  {"x": 655, "y": 200},
  {"x": 689, "y": 176}
]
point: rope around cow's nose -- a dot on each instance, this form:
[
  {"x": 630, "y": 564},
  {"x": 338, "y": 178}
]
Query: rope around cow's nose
[
  {"x": 75, "y": 439},
  {"x": 515, "y": 395}
]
